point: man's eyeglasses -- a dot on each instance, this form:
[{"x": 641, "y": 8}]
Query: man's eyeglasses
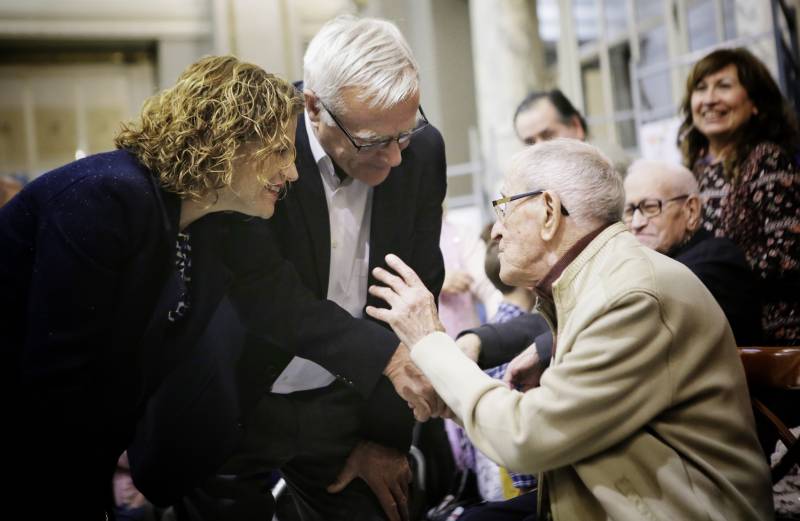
[
  {"x": 499, "y": 205},
  {"x": 649, "y": 208},
  {"x": 366, "y": 146}
]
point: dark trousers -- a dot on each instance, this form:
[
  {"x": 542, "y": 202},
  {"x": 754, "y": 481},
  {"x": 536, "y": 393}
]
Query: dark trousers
[
  {"x": 520, "y": 508},
  {"x": 307, "y": 435}
]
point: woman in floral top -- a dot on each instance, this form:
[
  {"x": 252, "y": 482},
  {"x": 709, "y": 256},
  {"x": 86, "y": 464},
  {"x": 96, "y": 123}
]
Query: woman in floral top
[{"x": 739, "y": 136}]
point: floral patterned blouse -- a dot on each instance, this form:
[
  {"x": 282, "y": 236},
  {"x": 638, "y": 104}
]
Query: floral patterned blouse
[{"x": 760, "y": 211}]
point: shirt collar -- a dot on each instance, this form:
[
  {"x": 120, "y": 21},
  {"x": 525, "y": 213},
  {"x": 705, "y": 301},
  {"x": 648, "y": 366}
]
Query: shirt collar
[
  {"x": 545, "y": 287},
  {"x": 323, "y": 160}
]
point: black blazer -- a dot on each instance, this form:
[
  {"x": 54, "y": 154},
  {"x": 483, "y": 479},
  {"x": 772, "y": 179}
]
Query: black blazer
[
  {"x": 406, "y": 220},
  {"x": 86, "y": 267},
  {"x": 721, "y": 266}
]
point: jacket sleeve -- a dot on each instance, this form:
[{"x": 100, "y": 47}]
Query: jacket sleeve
[
  {"x": 502, "y": 342},
  {"x": 721, "y": 267},
  {"x": 426, "y": 257},
  {"x": 773, "y": 243},
  {"x": 275, "y": 305},
  {"x": 78, "y": 245},
  {"x": 601, "y": 392}
]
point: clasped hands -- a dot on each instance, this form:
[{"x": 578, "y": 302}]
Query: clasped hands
[{"x": 412, "y": 314}]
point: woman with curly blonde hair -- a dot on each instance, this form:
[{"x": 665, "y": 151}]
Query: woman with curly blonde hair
[{"x": 116, "y": 266}]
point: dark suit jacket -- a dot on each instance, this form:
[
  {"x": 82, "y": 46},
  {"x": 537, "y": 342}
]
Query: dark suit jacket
[
  {"x": 86, "y": 267},
  {"x": 719, "y": 264},
  {"x": 406, "y": 220}
]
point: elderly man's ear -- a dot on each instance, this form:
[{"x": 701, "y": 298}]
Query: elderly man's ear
[
  {"x": 551, "y": 216},
  {"x": 311, "y": 104},
  {"x": 693, "y": 209}
]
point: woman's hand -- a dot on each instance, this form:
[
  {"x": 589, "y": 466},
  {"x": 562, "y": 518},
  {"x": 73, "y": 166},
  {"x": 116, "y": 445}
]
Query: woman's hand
[{"x": 412, "y": 309}]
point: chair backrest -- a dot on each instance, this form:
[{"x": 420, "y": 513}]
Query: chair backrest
[{"x": 773, "y": 377}]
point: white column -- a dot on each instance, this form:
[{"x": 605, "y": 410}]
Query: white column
[
  {"x": 175, "y": 54},
  {"x": 505, "y": 71}
]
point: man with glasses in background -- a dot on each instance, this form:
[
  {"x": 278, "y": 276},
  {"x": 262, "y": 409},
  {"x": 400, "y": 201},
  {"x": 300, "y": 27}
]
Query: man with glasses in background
[
  {"x": 663, "y": 210},
  {"x": 372, "y": 179}
]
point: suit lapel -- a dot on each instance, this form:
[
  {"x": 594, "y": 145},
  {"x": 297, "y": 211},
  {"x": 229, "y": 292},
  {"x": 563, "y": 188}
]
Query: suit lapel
[
  {"x": 313, "y": 205},
  {"x": 387, "y": 220}
]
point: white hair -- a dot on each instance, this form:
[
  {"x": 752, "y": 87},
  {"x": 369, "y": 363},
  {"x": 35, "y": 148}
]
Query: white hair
[
  {"x": 589, "y": 186},
  {"x": 366, "y": 53},
  {"x": 676, "y": 177}
]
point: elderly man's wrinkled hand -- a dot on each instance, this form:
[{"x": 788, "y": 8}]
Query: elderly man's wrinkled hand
[
  {"x": 413, "y": 386},
  {"x": 525, "y": 370},
  {"x": 412, "y": 309},
  {"x": 387, "y": 473}
]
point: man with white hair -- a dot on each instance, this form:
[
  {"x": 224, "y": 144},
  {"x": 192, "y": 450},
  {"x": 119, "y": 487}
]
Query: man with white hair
[
  {"x": 644, "y": 411},
  {"x": 372, "y": 178},
  {"x": 663, "y": 210}
]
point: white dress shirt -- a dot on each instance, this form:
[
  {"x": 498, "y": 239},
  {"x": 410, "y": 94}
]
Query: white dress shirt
[{"x": 349, "y": 213}]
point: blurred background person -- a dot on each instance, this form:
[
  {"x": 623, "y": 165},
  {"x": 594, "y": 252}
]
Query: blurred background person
[
  {"x": 545, "y": 115},
  {"x": 468, "y": 297},
  {"x": 739, "y": 136}
]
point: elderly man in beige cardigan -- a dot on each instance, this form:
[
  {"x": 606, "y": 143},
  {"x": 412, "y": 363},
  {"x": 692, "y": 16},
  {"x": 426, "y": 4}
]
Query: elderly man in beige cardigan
[{"x": 644, "y": 412}]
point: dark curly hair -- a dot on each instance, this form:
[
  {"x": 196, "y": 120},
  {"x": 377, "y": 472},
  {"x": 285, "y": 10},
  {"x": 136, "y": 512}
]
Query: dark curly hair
[
  {"x": 188, "y": 134},
  {"x": 775, "y": 121}
]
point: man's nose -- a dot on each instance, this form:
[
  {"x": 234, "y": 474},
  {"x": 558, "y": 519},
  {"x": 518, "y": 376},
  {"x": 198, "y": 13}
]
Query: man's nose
[
  {"x": 638, "y": 221},
  {"x": 497, "y": 230},
  {"x": 392, "y": 152}
]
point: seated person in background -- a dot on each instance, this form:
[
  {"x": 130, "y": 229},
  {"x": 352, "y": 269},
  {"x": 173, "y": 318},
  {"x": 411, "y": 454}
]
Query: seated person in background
[
  {"x": 644, "y": 410},
  {"x": 664, "y": 211},
  {"x": 739, "y": 136}
]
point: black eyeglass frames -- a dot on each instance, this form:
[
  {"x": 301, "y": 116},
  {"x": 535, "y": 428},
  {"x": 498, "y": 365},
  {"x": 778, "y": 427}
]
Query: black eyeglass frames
[
  {"x": 367, "y": 146},
  {"x": 499, "y": 205}
]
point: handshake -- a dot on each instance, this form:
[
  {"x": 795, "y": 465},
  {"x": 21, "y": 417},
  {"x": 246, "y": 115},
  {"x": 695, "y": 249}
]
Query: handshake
[
  {"x": 412, "y": 314},
  {"x": 414, "y": 387}
]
